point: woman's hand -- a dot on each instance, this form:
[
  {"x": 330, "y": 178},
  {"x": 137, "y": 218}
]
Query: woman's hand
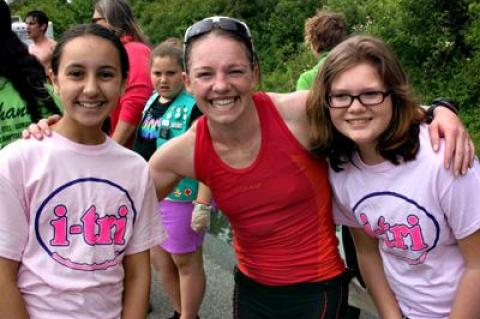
[
  {"x": 41, "y": 128},
  {"x": 459, "y": 147}
]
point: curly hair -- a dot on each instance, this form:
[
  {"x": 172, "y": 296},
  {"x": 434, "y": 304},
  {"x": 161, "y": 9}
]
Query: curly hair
[
  {"x": 23, "y": 70},
  {"x": 325, "y": 30},
  {"x": 400, "y": 138}
]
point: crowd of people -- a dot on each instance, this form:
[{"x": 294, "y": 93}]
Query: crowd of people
[{"x": 82, "y": 217}]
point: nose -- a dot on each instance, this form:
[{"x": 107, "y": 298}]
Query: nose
[
  {"x": 90, "y": 87},
  {"x": 356, "y": 106},
  {"x": 220, "y": 83}
]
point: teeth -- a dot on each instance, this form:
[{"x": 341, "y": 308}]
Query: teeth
[
  {"x": 358, "y": 121},
  {"x": 223, "y": 102},
  {"x": 90, "y": 105}
]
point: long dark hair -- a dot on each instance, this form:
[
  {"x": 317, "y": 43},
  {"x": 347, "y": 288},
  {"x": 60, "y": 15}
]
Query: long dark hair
[{"x": 23, "y": 70}]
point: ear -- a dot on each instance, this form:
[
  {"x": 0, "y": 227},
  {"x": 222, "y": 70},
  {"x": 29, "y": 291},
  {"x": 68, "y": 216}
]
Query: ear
[
  {"x": 54, "y": 79},
  {"x": 187, "y": 82}
]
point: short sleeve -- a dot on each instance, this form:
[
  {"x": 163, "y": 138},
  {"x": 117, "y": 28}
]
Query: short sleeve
[
  {"x": 342, "y": 215},
  {"x": 148, "y": 230},
  {"x": 460, "y": 200},
  {"x": 13, "y": 222}
]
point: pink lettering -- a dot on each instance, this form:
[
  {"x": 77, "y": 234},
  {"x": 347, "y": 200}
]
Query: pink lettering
[
  {"x": 59, "y": 227},
  {"x": 89, "y": 220},
  {"x": 107, "y": 224},
  {"x": 416, "y": 234}
]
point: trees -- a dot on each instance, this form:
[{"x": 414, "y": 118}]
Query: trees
[{"x": 438, "y": 41}]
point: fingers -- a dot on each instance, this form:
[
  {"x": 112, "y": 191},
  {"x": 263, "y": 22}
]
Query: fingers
[
  {"x": 25, "y": 134},
  {"x": 35, "y": 131},
  {"x": 434, "y": 135},
  {"x": 52, "y": 119},
  {"x": 44, "y": 125},
  {"x": 472, "y": 152},
  {"x": 461, "y": 154}
]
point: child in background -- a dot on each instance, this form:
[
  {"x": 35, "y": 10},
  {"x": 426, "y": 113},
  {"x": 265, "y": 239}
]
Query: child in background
[
  {"x": 414, "y": 223},
  {"x": 75, "y": 232},
  {"x": 169, "y": 113}
]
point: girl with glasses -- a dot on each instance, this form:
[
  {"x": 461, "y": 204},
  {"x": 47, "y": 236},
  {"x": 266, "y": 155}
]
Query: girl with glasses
[{"x": 415, "y": 224}]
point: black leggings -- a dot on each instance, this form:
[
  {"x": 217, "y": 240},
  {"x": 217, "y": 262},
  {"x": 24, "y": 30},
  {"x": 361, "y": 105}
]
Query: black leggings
[{"x": 318, "y": 300}]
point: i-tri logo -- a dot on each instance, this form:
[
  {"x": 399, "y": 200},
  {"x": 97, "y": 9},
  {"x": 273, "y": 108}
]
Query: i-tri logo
[{"x": 85, "y": 224}]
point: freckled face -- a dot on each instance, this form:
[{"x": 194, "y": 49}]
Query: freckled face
[
  {"x": 221, "y": 77},
  {"x": 89, "y": 85},
  {"x": 362, "y": 124}
]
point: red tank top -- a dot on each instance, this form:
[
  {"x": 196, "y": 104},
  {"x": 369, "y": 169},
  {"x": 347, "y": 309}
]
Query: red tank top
[{"x": 279, "y": 207}]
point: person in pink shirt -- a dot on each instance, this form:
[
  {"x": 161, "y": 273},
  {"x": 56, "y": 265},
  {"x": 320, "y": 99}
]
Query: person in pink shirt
[
  {"x": 415, "y": 224},
  {"x": 117, "y": 16},
  {"x": 42, "y": 46},
  {"x": 74, "y": 233}
]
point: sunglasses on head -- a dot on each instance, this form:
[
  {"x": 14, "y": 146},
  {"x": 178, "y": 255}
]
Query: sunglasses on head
[{"x": 227, "y": 24}]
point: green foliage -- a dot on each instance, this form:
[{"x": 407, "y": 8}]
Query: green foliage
[
  {"x": 438, "y": 41},
  {"x": 60, "y": 12}
]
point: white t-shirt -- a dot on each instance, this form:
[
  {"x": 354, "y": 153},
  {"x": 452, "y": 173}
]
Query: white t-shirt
[
  {"x": 417, "y": 210},
  {"x": 69, "y": 213}
]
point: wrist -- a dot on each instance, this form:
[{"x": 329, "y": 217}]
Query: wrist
[{"x": 441, "y": 102}]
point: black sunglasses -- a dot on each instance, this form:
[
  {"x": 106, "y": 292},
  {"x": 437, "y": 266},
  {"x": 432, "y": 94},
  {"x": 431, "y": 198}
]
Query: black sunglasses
[{"x": 223, "y": 23}]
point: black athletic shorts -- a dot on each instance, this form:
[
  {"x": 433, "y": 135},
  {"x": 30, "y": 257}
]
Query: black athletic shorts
[{"x": 319, "y": 300}]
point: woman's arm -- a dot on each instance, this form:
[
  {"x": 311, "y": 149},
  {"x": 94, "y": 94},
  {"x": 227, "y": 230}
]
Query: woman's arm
[
  {"x": 173, "y": 161},
  {"x": 466, "y": 303},
  {"x": 371, "y": 268},
  {"x": 136, "y": 291},
  {"x": 459, "y": 147},
  {"x": 12, "y": 305}
]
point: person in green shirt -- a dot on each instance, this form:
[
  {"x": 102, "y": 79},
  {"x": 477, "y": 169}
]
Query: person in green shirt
[
  {"x": 25, "y": 95},
  {"x": 323, "y": 31}
]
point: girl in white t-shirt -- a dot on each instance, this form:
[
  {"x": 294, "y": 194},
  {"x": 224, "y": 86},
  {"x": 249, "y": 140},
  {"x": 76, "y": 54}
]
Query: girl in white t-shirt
[
  {"x": 415, "y": 224},
  {"x": 75, "y": 227}
]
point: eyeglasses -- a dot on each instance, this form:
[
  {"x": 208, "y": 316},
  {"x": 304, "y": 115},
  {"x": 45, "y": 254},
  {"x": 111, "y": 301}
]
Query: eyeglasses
[
  {"x": 95, "y": 20},
  {"x": 371, "y": 98},
  {"x": 223, "y": 23}
]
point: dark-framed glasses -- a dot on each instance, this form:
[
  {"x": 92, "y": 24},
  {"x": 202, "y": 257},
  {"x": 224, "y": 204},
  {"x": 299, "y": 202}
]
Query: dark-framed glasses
[{"x": 370, "y": 98}]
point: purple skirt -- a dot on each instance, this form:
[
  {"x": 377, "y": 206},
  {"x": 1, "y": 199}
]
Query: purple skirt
[{"x": 176, "y": 217}]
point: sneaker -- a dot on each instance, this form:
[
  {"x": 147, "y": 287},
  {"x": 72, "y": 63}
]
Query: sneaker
[{"x": 175, "y": 315}]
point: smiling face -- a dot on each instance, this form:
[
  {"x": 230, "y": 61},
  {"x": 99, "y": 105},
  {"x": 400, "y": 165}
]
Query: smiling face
[
  {"x": 166, "y": 76},
  {"x": 89, "y": 85},
  {"x": 362, "y": 124},
  {"x": 221, "y": 77}
]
